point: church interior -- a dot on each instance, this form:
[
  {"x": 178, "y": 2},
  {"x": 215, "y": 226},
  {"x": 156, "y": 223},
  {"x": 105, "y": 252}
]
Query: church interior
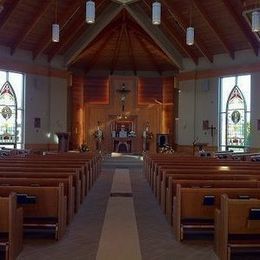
[{"x": 129, "y": 129}]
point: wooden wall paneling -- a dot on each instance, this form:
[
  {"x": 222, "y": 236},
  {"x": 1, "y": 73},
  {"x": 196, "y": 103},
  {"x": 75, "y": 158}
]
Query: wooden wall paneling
[
  {"x": 93, "y": 115},
  {"x": 140, "y": 114},
  {"x": 175, "y": 114},
  {"x": 152, "y": 114},
  {"x": 149, "y": 90},
  {"x": 96, "y": 90},
  {"x": 130, "y": 84},
  {"x": 77, "y": 121},
  {"x": 168, "y": 106}
]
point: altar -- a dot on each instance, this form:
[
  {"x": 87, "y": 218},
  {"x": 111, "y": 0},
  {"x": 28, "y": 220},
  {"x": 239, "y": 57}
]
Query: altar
[
  {"x": 123, "y": 135},
  {"x": 122, "y": 145}
]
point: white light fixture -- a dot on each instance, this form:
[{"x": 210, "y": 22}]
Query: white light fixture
[
  {"x": 90, "y": 12},
  {"x": 190, "y": 36},
  {"x": 156, "y": 13},
  {"x": 256, "y": 21},
  {"x": 55, "y": 32}
]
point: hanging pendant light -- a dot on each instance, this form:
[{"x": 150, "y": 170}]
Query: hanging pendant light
[
  {"x": 55, "y": 32},
  {"x": 156, "y": 13},
  {"x": 190, "y": 36},
  {"x": 90, "y": 12},
  {"x": 256, "y": 21},
  {"x": 55, "y": 36}
]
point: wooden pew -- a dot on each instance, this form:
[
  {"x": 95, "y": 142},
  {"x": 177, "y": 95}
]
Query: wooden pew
[
  {"x": 48, "y": 210},
  {"x": 91, "y": 164},
  {"x": 163, "y": 184},
  {"x": 11, "y": 227},
  {"x": 222, "y": 168},
  {"x": 208, "y": 182},
  {"x": 94, "y": 159},
  {"x": 69, "y": 189},
  {"x": 79, "y": 182},
  {"x": 30, "y": 173},
  {"x": 237, "y": 226},
  {"x": 194, "y": 207},
  {"x": 82, "y": 166}
]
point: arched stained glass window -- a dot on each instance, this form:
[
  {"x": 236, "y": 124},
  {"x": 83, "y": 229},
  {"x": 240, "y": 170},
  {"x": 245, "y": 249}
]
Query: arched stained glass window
[
  {"x": 236, "y": 117},
  {"x": 8, "y": 115},
  {"x": 235, "y": 113},
  {"x": 11, "y": 109}
]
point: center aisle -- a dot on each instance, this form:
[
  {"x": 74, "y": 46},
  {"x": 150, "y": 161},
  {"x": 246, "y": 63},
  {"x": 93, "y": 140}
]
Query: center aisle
[
  {"x": 120, "y": 219},
  {"x": 119, "y": 238}
]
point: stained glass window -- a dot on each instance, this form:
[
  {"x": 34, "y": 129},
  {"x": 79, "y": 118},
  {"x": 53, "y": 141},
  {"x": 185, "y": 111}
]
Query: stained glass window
[
  {"x": 235, "y": 113},
  {"x": 11, "y": 109}
]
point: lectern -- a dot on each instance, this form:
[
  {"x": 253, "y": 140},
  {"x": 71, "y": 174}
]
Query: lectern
[{"x": 63, "y": 141}]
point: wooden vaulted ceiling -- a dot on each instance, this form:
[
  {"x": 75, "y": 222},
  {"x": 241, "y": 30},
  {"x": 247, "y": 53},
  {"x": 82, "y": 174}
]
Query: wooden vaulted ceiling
[{"x": 123, "y": 37}]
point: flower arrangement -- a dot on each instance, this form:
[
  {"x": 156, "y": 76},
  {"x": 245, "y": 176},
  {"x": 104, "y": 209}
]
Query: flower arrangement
[
  {"x": 132, "y": 134},
  {"x": 166, "y": 149},
  {"x": 84, "y": 148}
]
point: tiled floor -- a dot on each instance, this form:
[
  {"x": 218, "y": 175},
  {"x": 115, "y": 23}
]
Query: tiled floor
[{"x": 83, "y": 236}]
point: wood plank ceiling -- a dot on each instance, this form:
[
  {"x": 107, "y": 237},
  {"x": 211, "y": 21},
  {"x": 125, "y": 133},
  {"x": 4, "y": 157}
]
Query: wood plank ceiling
[{"x": 127, "y": 40}]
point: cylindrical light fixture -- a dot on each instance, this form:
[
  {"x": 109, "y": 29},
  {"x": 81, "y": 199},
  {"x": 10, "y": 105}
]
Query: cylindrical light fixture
[
  {"x": 190, "y": 36},
  {"x": 156, "y": 13},
  {"x": 256, "y": 21},
  {"x": 90, "y": 12},
  {"x": 55, "y": 32}
]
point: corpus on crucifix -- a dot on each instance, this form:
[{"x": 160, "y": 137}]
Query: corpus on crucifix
[{"x": 123, "y": 93}]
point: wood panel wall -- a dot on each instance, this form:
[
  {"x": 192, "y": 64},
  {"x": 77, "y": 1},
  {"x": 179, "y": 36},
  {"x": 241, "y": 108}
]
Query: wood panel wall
[
  {"x": 96, "y": 91},
  {"x": 150, "y": 90},
  {"x": 77, "y": 111},
  {"x": 149, "y": 100}
]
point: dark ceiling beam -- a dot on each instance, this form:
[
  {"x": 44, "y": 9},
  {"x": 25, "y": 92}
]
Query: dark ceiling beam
[
  {"x": 7, "y": 12},
  {"x": 116, "y": 51},
  {"x": 97, "y": 53},
  {"x": 35, "y": 20},
  {"x": 70, "y": 32},
  {"x": 181, "y": 44},
  {"x": 130, "y": 50},
  {"x": 242, "y": 24},
  {"x": 155, "y": 33},
  {"x": 205, "y": 15},
  {"x": 150, "y": 54},
  {"x": 184, "y": 24},
  {"x": 105, "y": 17},
  {"x": 150, "y": 41},
  {"x": 44, "y": 44}
]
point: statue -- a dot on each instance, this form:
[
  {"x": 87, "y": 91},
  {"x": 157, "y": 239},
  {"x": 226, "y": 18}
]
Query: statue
[
  {"x": 98, "y": 134},
  {"x": 147, "y": 137}
]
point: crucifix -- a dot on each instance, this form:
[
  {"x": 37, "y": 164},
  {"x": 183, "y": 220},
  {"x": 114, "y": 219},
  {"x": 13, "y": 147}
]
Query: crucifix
[{"x": 123, "y": 93}]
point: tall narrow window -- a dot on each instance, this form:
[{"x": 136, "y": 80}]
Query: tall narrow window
[
  {"x": 235, "y": 113},
  {"x": 11, "y": 109}
]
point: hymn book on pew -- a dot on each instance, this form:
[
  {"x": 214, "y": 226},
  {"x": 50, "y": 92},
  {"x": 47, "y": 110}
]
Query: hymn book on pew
[
  {"x": 22, "y": 198},
  {"x": 254, "y": 214},
  {"x": 209, "y": 200}
]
